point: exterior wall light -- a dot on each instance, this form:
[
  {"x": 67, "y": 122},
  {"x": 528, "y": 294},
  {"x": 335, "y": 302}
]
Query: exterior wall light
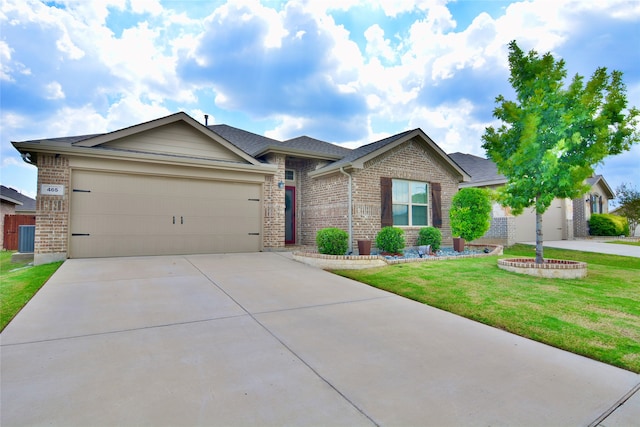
[{"x": 281, "y": 185}]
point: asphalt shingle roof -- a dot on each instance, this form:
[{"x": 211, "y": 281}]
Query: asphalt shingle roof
[
  {"x": 255, "y": 145},
  {"x": 250, "y": 143},
  {"x": 311, "y": 144},
  {"x": 480, "y": 169},
  {"x": 28, "y": 204},
  {"x": 367, "y": 149}
]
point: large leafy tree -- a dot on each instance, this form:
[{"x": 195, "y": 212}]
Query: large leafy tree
[{"x": 553, "y": 136}]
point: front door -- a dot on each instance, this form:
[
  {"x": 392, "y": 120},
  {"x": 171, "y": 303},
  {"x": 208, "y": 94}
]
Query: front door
[{"x": 290, "y": 215}]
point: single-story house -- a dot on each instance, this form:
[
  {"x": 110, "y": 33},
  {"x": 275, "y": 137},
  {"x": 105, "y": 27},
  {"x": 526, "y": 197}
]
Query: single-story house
[
  {"x": 176, "y": 186},
  {"x": 15, "y": 209},
  {"x": 565, "y": 219}
]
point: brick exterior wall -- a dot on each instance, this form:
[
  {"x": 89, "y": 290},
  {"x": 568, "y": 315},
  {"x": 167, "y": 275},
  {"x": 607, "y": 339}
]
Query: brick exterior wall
[
  {"x": 323, "y": 201},
  {"x": 411, "y": 161},
  {"x": 274, "y": 205},
  {"x": 501, "y": 232},
  {"x": 580, "y": 226},
  {"x": 52, "y": 212}
]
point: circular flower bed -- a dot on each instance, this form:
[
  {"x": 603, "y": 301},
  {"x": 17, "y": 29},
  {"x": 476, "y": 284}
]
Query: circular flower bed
[{"x": 550, "y": 268}]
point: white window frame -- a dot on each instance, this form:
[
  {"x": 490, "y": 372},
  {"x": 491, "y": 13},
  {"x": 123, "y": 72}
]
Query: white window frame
[{"x": 410, "y": 203}]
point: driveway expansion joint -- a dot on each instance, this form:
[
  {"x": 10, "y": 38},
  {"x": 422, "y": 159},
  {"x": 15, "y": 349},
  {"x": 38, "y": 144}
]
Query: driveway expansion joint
[
  {"x": 119, "y": 331},
  {"x": 598, "y": 421},
  {"x": 329, "y": 304}
]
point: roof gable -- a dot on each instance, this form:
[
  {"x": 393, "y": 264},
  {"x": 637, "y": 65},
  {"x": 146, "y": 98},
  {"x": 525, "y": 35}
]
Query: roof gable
[
  {"x": 178, "y": 139},
  {"x": 177, "y": 134},
  {"x": 602, "y": 183},
  {"x": 358, "y": 157}
]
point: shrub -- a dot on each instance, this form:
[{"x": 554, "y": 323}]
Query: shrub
[
  {"x": 430, "y": 236},
  {"x": 332, "y": 241},
  {"x": 470, "y": 213},
  {"x": 390, "y": 239},
  {"x": 608, "y": 225}
]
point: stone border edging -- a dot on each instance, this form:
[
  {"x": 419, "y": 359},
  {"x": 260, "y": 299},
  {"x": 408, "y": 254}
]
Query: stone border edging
[
  {"x": 551, "y": 268},
  {"x": 357, "y": 262}
]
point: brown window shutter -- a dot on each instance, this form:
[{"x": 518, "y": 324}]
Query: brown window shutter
[
  {"x": 386, "y": 209},
  {"x": 436, "y": 205}
]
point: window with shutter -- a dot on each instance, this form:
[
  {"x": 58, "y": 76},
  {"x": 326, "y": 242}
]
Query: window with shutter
[
  {"x": 436, "y": 205},
  {"x": 404, "y": 203},
  {"x": 386, "y": 198}
]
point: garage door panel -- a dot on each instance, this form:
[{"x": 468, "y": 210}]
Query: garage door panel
[
  {"x": 128, "y": 215},
  {"x": 121, "y": 225}
]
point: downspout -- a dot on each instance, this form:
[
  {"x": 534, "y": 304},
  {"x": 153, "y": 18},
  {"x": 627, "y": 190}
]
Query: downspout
[{"x": 350, "y": 219}]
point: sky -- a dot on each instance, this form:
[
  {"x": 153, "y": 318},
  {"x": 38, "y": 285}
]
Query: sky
[{"x": 344, "y": 71}]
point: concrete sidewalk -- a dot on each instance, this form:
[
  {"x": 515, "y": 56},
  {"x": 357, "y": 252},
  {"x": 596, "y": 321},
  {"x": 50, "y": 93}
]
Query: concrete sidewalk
[
  {"x": 592, "y": 245},
  {"x": 258, "y": 339}
]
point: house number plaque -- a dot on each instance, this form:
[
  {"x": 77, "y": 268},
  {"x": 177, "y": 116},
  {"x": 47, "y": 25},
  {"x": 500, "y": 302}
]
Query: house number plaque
[{"x": 52, "y": 190}]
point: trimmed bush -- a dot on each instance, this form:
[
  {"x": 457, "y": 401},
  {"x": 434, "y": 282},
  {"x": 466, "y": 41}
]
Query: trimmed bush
[
  {"x": 470, "y": 213},
  {"x": 430, "y": 236},
  {"x": 608, "y": 225},
  {"x": 390, "y": 239},
  {"x": 332, "y": 241}
]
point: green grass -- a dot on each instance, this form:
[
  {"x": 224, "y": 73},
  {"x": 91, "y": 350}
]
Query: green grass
[
  {"x": 597, "y": 317},
  {"x": 19, "y": 282},
  {"x": 625, "y": 242}
]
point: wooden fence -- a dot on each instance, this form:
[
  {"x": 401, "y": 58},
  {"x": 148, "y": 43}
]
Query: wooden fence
[{"x": 11, "y": 223}]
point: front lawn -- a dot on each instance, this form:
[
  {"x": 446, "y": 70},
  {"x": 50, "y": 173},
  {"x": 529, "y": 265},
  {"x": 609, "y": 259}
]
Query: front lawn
[
  {"x": 598, "y": 316},
  {"x": 18, "y": 283}
]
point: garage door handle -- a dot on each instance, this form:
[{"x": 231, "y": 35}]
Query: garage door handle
[
  {"x": 174, "y": 219},
  {"x": 181, "y": 220}
]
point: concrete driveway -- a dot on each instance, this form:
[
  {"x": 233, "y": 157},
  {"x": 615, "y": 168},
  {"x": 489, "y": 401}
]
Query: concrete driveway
[{"x": 258, "y": 339}]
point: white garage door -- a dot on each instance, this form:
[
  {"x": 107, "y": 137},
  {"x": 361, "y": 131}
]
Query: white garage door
[
  {"x": 127, "y": 215},
  {"x": 552, "y": 224}
]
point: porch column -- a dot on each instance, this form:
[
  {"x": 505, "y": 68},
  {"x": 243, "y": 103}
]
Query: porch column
[{"x": 274, "y": 204}]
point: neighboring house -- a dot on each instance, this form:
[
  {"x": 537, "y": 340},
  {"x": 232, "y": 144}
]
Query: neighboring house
[
  {"x": 563, "y": 220},
  {"x": 633, "y": 231},
  {"x": 595, "y": 201},
  {"x": 175, "y": 186},
  {"x": 15, "y": 209}
]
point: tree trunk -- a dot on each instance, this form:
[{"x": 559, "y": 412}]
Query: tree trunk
[{"x": 539, "y": 253}]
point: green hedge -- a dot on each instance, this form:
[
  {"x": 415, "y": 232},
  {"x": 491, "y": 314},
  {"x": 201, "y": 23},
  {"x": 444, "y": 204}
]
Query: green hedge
[
  {"x": 430, "y": 236},
  {"x": 390, "y": 239},
  {"x": 332, "y": 241},
  {"x": 608, "y": 225}
]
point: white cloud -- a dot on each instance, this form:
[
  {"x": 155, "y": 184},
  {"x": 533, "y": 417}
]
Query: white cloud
[
  {"x": 289, "y": 125},
  {"x": 146, "y": 6},
  {"x": 448, "y": 126},
  {"x": 293, "y": 64},
  {"x": 65, "y": 45},
  {"x": 54, "y": 91},
  {"x": 377, "y": 45},
  {"x": 5, "y": 58},
  {"x": 15, "y": 162}
]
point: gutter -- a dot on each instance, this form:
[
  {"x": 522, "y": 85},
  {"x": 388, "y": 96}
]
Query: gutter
[{"x": 350, "y": 210}]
